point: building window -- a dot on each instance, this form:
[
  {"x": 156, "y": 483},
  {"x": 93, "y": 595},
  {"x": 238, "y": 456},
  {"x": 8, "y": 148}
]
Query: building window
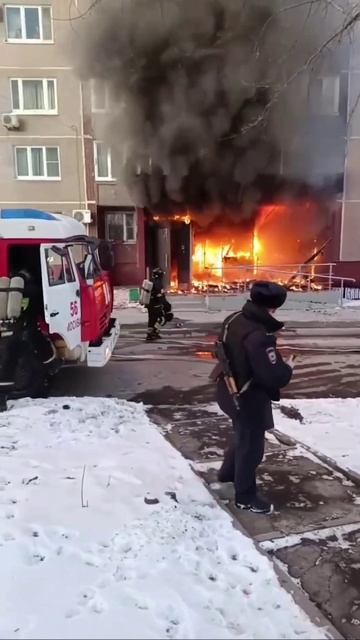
[
  {"x": 121, "y": 226},
  {"x": 28, "y": 24},
  {"x": 100, "y": 95},
  {"x": 37, "y": 163},
  {"x": 102, "y": 157},
  {"x": 325, "y": 95},
  {"x": 36, "y": 96}
]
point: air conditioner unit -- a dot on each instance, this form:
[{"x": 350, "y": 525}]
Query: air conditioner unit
[
  {"x": 10, "y": 121},
  {"x": 82, "y": 215}
]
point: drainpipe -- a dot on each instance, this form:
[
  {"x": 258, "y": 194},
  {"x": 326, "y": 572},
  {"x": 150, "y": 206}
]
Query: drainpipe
[
  {"x": 347, "y": 141},
  {"x": 83, "y": 145}
]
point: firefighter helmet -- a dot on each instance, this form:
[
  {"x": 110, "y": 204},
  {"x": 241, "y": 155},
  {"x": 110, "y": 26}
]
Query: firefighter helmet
[{"x": 157, "y": 272}]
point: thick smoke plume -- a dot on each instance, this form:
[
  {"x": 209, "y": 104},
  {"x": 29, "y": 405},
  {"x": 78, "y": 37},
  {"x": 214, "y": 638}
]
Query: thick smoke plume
[{"x": 208, "y": 95}]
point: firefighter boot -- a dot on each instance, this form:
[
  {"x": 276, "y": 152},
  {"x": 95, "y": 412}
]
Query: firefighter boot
[{"x": 152, "y": 335}]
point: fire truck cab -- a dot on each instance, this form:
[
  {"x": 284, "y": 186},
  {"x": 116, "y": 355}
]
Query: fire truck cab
[{"x": 72, "y": 277}]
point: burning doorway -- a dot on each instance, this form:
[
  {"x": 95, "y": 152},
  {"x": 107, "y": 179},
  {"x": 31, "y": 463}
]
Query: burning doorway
[
  {"x": 225, "y": 251},
  {"x": 169, "y": 245}
]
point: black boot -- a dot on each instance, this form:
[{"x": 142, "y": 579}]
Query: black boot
[
  {"x": 256, "y": 505},
  {"x": 152, "y": 335}
]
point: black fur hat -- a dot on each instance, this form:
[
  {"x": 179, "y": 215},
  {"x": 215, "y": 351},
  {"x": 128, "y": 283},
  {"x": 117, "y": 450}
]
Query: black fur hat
[{"x": 268, "y": 294}]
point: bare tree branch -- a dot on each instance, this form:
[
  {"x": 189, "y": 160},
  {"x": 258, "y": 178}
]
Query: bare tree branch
[{"x": 345, "y": 28}]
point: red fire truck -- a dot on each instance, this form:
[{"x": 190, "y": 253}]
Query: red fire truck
[{"x": 72, "y": 277}]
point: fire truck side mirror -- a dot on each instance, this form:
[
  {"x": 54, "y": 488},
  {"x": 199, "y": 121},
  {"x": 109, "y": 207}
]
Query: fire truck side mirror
[
  {"x": 89, "y": 269},
  {"x": 106, "y": 255}
]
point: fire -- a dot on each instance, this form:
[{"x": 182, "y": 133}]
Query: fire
[
  {"x": 214, "y": 258},
  {"x": 256, "y": 247},
  {"x": 256, "y": 251},
  {"x": 226, "y": 253},
  {"x": 185, "y": 219},
  {"x": 229, "y": 251}
]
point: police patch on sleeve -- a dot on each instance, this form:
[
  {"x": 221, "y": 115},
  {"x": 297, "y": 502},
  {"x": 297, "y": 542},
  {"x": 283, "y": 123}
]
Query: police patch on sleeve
[{"x": 271, "y": 354}]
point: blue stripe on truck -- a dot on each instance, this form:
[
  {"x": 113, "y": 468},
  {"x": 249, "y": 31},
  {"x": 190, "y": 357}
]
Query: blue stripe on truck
[{"x": 25, "y": 214}]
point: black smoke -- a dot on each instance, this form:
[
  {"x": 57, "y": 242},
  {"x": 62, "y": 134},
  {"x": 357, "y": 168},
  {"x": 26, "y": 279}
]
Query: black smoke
[{"x": 209, "y": 96}]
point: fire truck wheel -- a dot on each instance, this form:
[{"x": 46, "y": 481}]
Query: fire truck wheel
[{"x": 30, "y": 378}]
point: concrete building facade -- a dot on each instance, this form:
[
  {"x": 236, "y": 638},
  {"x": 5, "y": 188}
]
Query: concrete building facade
[
  {"x": 42, "y": 156},
  {"x": 51, "y": 157},
  {"x": 349, "y": 240}
]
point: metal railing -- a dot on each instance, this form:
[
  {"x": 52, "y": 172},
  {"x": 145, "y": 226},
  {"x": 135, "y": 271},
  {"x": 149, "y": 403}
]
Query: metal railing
[{"x": 298, "y": 277}]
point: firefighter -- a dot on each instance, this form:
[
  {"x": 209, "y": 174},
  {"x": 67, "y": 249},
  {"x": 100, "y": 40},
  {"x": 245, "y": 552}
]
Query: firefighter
[
  {"x": 156, "y": 305},
  {"x": 37, "y": 354},
  {"x": 249, "y": 339},
  {"x": 28, "y": 359}
]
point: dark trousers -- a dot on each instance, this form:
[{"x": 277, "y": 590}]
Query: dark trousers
[
  {"x": 154, "y": 314},
  {"x": 242, "y": 459}
]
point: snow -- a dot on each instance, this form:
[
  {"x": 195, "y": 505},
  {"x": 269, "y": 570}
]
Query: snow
[
  {"x": 141, "y": 550},
  {"x": 351, "y": 303},
  {"x": 334, "y": 536},
  {"x": 121, "y": 300},
  {"x": 330, "y": 427}
]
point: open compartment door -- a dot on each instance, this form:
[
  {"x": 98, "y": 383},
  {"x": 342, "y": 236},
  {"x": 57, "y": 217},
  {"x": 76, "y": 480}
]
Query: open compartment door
[{"x": 61, "y": 292}]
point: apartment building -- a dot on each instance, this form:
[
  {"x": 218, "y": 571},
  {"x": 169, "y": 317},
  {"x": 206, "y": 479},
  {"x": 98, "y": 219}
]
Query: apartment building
[
  {"x": 349, "y": 240},
  {"x": 49, "y": 155},
  {"x": 118, "y": 217},
  {"x": 42, "y": 152}
]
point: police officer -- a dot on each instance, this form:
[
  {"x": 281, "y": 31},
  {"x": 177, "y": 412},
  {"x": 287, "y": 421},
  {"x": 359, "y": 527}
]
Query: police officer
[
  {"x": 156, "y": 305},
  {"x": 249, "y": 339}
]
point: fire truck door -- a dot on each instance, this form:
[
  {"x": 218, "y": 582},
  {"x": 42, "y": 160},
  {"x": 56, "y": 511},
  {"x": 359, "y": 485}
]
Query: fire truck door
[{"x": 61, "y": 291}]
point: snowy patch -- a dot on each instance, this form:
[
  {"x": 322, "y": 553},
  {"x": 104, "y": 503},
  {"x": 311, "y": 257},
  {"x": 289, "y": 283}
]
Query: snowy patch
[
  {"x": 330, "y": 427},
  {"x": 334, "y": 537},
  {"x": 105, "y": 532},
  {"x": 203, "y": 467},
  {"x": 122, "y": 300}
]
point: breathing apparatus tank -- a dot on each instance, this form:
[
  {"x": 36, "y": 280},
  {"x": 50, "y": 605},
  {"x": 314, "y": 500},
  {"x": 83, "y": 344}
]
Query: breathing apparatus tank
[{"x": 145, "y": 292}]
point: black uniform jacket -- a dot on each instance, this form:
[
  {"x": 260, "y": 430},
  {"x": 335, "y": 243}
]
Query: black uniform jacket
[
  {"x": 250, "y": 345},
  {"x": 157, "y": 293}
]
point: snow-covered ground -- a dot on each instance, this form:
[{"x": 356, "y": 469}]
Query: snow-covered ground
[
  {"x": 330, "y": 427},
  {"x": 139, "y": 549}
]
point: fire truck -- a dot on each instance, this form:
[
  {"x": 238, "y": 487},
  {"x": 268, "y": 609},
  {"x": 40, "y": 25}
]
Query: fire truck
[{"x": 70, "y": 273}]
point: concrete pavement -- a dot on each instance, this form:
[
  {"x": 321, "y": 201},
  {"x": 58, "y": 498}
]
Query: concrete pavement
[{"x": 193, "y": 310}]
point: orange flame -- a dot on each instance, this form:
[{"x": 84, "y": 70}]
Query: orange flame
[{"x": 227, "y": 254}]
